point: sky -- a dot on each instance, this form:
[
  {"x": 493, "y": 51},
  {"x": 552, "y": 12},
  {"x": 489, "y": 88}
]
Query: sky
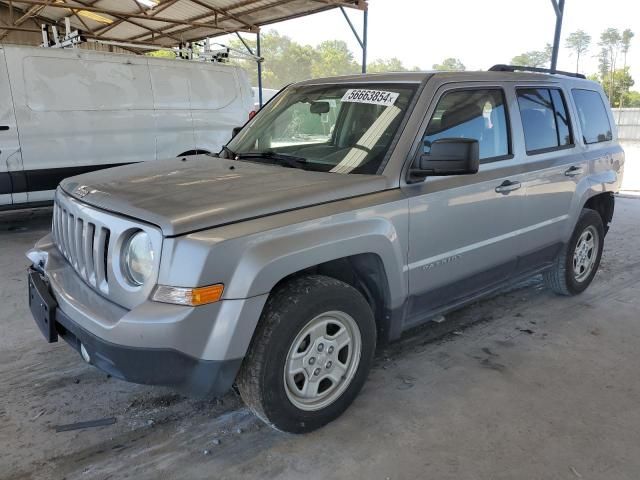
[{"x": 481, "y": 33}]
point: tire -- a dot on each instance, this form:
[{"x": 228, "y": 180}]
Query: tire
[
  {"x": 562, "y": 277},
  {"x": 302, "y": 309}
]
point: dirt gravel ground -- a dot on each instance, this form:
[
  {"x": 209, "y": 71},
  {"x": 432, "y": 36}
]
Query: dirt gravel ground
[{"x": 523, "y": 385}]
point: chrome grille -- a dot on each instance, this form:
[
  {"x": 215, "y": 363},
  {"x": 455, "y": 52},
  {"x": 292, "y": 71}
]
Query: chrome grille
[
  {"x": 90, "y": 239},
  {"x": 84, "y": 243}
]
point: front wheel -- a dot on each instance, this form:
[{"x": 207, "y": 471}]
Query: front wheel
[
  {"x": 310, "y": 354},
  {"x": 578, "y": 262}
]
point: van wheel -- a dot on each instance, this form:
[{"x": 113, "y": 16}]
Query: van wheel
[
  {"x": 310, "y": 354},
  {"x": 577, "y": 263}
]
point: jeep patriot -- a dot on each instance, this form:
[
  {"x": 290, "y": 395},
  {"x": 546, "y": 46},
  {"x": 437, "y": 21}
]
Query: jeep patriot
[{"x": 347, "y": 211}]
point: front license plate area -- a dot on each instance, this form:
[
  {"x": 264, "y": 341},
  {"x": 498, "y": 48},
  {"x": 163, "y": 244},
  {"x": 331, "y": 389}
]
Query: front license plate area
[{"x": 43, "y": 307}]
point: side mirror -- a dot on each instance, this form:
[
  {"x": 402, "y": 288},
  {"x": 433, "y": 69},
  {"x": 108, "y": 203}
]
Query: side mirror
[
  {"x": 449, "y": 156},
  {"x": 235, "y": 131}
]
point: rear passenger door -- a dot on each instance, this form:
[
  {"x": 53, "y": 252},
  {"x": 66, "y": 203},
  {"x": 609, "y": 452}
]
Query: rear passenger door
[
  {"x": 553, "y": 165},
  {"x": 463, "y": 229}
]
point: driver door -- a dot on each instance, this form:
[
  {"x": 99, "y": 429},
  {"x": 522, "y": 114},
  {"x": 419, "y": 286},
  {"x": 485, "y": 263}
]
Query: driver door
[{"x": 463, "y": 236}]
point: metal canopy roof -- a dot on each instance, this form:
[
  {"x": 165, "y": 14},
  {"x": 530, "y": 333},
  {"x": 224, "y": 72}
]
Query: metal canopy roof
[{"x": 164, "y": 22}]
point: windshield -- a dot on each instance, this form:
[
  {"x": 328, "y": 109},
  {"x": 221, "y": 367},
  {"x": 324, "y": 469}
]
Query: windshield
[{"x": 328, "y": 128}]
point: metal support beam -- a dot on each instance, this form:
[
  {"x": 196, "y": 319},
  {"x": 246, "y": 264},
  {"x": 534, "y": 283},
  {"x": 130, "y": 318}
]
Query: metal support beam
[
  {"x": 246, "y": 45},
  {"x": 118, "y": 13},
  {"x": 558, "y": 7},
  {"x": 353, "y": 29},
  {"x": 258, "y": 59},
  {"x": 364, "y": 40},
  {"x": 361, "y": 40},
  {"x": 259, "y": 53}
]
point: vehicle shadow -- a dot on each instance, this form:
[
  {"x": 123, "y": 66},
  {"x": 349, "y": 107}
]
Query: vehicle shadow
[{"x": 25, "y": 220}]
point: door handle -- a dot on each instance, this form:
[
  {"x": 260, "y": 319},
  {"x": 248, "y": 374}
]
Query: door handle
[
  {"x": 4, "y": 127},
  {"x": 574, "y": 171},
  {"x": 508, "y": 186}
]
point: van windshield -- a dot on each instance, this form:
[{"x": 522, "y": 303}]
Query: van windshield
[{"x": 329, "y": 128}]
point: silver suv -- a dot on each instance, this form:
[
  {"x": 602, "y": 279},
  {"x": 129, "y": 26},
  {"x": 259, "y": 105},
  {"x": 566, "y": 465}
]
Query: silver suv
[{"x": 347, "y": 211}]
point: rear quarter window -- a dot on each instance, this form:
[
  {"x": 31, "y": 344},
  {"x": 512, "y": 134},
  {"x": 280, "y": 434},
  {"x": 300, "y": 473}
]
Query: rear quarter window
[
  {"x": 545, "y": 122},
  {"x": 593, "y": 116}
]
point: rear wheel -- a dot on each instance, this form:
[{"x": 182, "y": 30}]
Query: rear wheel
[
  {"x": 578, "y": 262},
  {"x": 310, "y": 354}
]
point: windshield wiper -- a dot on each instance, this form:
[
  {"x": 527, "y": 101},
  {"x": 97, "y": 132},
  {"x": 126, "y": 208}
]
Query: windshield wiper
[{"x": 279, "y": 158}]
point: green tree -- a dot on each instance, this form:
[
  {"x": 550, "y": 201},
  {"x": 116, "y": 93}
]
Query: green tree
[
  {"x": 627, "y": 35},
  {"x": 286, "y": 61},
  {"x": 333, "y": 57},
  {"x": 622, "y": 83},
  {"x": 632, "y": 99},
  {"x": 450, "y": 63},
  {"x": 611, "y": 41},
  {"x": 603, "y": 64},
  {"x": 578, "y": 42},
  {"x": 534, "y": 58},
  {"x": 161, "y": 54},
  {"x": 379, "y": 65}
]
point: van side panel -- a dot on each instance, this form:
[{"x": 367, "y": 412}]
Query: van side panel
[
  {"x": 172, "y": 109},
  {"x": 214, "y": 109},
  {"x": 196, "y": 105},
  {"x": 78, "y": 111},
  {"x": 10, "y": 162}
]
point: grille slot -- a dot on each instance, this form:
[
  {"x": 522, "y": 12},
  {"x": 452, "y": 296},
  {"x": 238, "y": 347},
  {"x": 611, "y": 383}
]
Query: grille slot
[
  {"x": 89, "y": 239},
  {"x": 83, "y": 243}
]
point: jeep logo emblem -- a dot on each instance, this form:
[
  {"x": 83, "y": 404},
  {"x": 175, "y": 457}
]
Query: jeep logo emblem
[{"x": 82, "y": 191}]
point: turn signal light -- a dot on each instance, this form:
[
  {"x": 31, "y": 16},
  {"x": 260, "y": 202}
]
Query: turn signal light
[{"x": 188, "y": 296}]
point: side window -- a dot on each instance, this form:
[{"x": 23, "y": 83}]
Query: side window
[
  {"x": 593, "y": 116},
  {"x": 545, "y": 120},
  {"x": 562, "y": 118},
  {"x": 475, "y": 114}
]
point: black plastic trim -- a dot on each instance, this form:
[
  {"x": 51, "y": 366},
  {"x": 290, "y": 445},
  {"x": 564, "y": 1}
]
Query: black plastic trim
[
  {"x": 422, "y": 307},
  {"x": 549, "y": 149},
  {"x": 517, "y": 68},
  {"x": 151, "y": 366},
  {"x": 497, "y": 159},
  {"x": 26, "y": 205},
  {"x": 45, "y": 178}
]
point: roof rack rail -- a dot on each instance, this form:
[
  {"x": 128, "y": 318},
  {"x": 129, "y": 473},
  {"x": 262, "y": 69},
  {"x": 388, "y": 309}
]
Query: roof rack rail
[{"x": 517, "y": 68}]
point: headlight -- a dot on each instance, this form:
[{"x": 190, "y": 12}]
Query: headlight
[{"x": 138, "y": 258}]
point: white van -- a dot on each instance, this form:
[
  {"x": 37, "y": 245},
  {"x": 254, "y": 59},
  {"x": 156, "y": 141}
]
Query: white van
[
  {"x": 267, "y": 94},
  {"x": 69, "y": 111}
]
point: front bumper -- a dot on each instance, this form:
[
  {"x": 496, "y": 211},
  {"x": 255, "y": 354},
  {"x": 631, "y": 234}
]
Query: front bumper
[
  {"x": 197, "y": 350},
  {"x": 150, "y": 365}
]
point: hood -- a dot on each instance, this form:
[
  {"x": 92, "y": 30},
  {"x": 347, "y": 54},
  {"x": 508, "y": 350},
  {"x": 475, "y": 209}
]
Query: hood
[{"x": 181, "y": 196}]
